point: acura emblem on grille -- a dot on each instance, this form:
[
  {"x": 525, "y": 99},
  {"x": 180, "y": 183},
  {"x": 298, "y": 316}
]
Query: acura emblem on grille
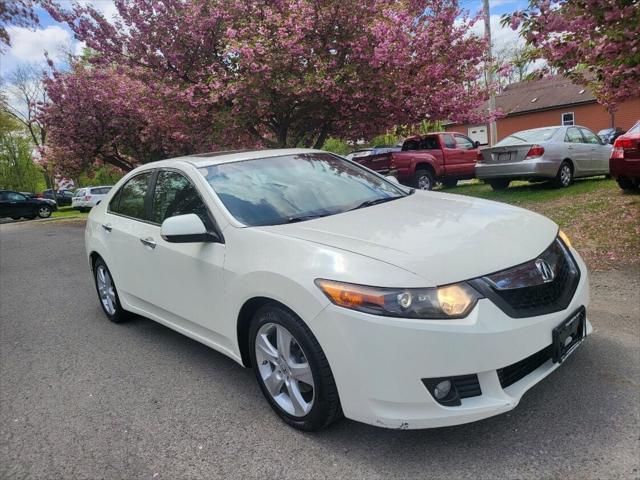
[{"x": 545, "y": 270}]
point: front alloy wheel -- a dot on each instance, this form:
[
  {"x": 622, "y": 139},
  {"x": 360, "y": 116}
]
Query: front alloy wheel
[
  {"x": 284, "y": 369},
  {"x": 292, "y": 370},
  {"x": 44, "y": 211}
]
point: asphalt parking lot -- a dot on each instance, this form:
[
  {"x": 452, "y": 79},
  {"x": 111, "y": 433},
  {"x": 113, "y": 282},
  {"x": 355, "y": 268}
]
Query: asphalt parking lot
[{"x": 81, "y": 397}]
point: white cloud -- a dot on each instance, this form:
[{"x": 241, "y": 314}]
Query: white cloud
[
  {"x": 29, "y": 45},
  {"x": 501, "y": 37}
]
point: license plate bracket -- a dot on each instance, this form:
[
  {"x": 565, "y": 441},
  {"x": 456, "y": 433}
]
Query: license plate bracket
[{"x": 568, "y": 335}]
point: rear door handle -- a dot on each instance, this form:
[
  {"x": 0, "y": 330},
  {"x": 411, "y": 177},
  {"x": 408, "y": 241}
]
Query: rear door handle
[
  {"x": 107, "y": 227},
  {"x": 148, "y": 242}
]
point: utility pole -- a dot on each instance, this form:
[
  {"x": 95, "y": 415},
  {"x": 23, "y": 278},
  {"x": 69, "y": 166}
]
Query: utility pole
[{"x": 492, "y": 99}]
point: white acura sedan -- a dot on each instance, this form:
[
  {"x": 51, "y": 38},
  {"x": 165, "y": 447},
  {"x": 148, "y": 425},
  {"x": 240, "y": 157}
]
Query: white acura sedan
[{"x": 345, "y": 292}]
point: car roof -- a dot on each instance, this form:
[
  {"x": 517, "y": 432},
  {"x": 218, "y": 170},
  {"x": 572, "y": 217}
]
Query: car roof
[{"x": 216, "y": 158}]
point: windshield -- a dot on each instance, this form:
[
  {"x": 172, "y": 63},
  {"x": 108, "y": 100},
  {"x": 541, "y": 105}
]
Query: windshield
[
  {"x": 276, "y": 190},
  {"x": 528, "y": 136}
]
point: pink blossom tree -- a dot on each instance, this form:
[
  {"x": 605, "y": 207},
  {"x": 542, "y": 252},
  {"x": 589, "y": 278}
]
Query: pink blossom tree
[
  {"x": 596, "y": 43},
  {"x": 275, "y": 73},
  {"x": 15, "y": 12}
]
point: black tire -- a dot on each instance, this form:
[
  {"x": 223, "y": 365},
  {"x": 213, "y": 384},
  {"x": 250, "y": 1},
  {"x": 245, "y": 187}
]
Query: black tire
[
  {"x": 564, "y": 177},
  {"x": 627, "y": 184},
  {"x": 326, "y": 403},
  {"x": 450, "y": 182},
  {"x": 423, "y": 179},
  {"x": 499, "y": 183},
  {"x": 44, "y": 211},
  {"x": 120, "y": 314}
]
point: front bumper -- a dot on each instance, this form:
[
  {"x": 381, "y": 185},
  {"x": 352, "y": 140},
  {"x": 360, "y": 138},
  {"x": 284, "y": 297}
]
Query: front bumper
[
  {"x": 378, "y": 362},
  {"x": 533, "y": 168}
]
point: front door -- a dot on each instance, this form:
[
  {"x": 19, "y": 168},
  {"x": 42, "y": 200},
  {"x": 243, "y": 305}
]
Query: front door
[{"x": 187, "y": 277}]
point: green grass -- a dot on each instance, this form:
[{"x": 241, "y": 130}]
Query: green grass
[
  {"x": 525, "y": 192},
  {"x": 68, "y": 212}
]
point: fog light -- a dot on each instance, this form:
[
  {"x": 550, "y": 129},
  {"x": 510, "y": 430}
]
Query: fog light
[{"x": 442, "y": 389}]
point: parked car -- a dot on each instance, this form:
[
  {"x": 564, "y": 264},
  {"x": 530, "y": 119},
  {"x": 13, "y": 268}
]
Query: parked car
[
  {"x": 344, "y": 291},
  {"x": 426, "y": 159},
  {"x": 16, "y": 205},
  {"x": 609, "y": 135},
  {"x": 363, "y": 152},
  {"x": 63, "y": 197},
  {"x": 86, "y": 198},
  {"x": 556, "y": 153},
  {"x": 625, "y": 159},
  {"x": 377, "y": 149}
]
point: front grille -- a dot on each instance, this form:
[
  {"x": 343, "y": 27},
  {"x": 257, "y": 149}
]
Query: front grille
[
  {"x": 520, "y": 291},
  {"x": 467, "y": 386},
  {"x": 511, "y": 374}
]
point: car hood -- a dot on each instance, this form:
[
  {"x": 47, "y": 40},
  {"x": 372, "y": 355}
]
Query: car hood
[{"x": 441, "y": 237}]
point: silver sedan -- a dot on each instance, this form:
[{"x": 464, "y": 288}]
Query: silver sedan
[{"x": 556, "y": 153}]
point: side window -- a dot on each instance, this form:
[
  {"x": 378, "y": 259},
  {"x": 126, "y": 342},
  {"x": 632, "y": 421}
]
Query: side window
[
  {"x": 590, "y": 137},
  {"x": 79, "y": 193},
  {"x": 410, "y": 145},
  {"x": 16, "y": 197},
  {"x": 449, "y": 141},
  {"x": 567, "y": 119},
  {"x": 4, "y": 196},
  {"x": 463, "y": 143},
  {"x": 175, "y": 195},
  {"x": 130, "y": 199},
  {"x": 429, "y": 143},
  {"x": 573, "y": 135}
]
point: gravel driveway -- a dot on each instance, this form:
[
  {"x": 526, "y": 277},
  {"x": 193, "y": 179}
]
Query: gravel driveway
[{"x": 81, "y": 397}]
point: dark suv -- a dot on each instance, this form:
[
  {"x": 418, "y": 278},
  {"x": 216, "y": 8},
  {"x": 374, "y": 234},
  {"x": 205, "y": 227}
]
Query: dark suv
[
  {"x": 16, "y": 205},
  {"x": 62, "y": 196}
]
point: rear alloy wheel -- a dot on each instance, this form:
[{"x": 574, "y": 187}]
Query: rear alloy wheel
[
  {"x": 292, "y": 370},
  {"x": 564, "y": 178},
  {"x": 107, "y": 293},
  {"x": 499, "y": 183},
  {"x": 44, "y": 211},
  {"x": 423, "y": 180}
]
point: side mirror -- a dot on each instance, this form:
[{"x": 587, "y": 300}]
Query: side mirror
[
  {"x": 186, "y": 229},
  {"x": 476, "y": 144},
  {"x": 393, "y": 179}
]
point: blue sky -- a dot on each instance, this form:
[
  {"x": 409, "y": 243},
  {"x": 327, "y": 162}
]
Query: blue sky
[{"x": 28, "y": 46}]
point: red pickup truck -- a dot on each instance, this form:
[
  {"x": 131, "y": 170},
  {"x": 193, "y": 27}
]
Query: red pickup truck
[{"x": 426, "y": 159}]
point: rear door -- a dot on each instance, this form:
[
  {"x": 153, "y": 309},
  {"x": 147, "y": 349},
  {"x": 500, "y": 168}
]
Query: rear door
[
  {"x": 130, "y": 237},
  {"x": 18, "y": 206},
  {"x": 578, "y": 151},
  {"x": 600, "y": 152}
]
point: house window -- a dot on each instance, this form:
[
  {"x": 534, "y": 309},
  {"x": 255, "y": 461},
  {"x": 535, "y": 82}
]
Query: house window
[{"x": 567, "y": 119}]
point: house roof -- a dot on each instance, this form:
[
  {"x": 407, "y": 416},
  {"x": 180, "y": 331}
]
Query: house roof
[{"x": 542, "y": 94}]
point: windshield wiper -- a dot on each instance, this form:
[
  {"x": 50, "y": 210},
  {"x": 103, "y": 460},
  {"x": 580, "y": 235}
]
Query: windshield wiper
[
  {"x": 302, "y": 218},
  {"x": 376, "y": 201}
]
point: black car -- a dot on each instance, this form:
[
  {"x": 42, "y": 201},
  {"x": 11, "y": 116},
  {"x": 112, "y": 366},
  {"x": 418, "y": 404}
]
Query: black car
[
  {"x": 609, "y": 135},
  {"x": 63, "y": 196},
  {"x": 16, "y": 205}
]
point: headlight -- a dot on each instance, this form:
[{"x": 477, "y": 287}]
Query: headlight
[
  {"x": 449, "y": 301},
  {"x": 563, "y": 236}
]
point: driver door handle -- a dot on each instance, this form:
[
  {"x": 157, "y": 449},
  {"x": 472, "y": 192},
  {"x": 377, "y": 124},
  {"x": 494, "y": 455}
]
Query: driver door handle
[
  {"x": 148, "y": 242},
  {"x": 107, "y": 227}
]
